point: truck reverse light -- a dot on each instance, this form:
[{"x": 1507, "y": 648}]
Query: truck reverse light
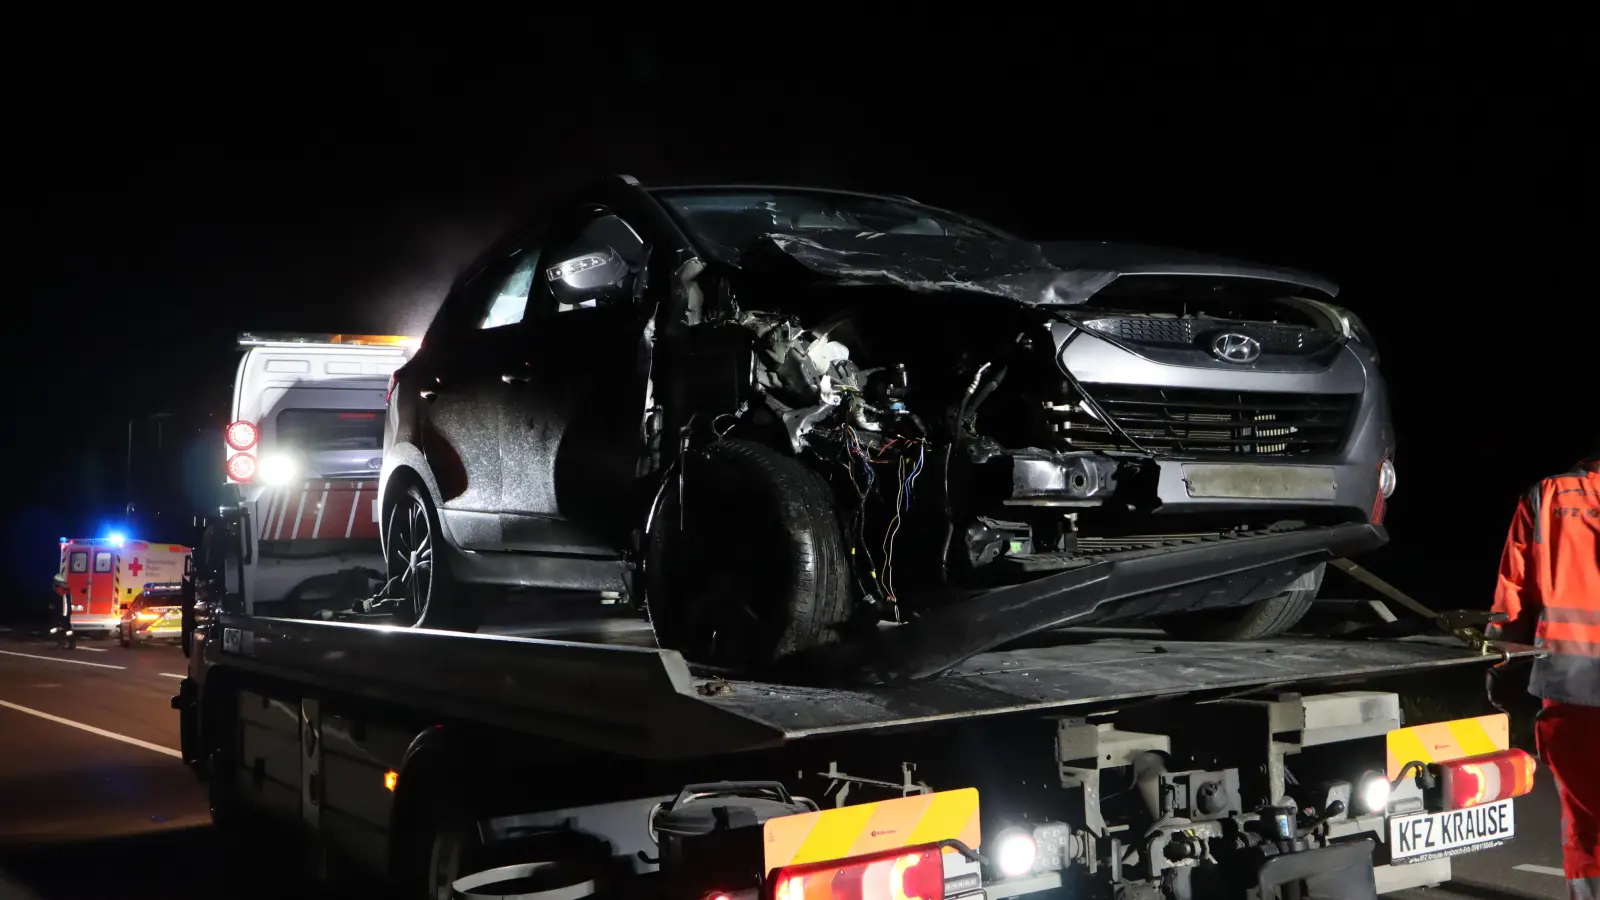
[
  {"x": 908, "y": 873},
  {"x": 242, "y": 435},
  {"x": 242, "y": 467},
  {"x": 1486, "y": 779}
]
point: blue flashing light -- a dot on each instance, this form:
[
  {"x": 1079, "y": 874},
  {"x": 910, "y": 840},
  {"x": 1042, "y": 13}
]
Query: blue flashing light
[
  {"x": 115, "y": 538},
  {"x": 64, "y": 540}
]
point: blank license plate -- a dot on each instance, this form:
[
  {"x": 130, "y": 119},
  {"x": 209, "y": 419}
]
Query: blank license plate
[
  {"x": 1248, "y": 482},
  {"x": 1435, "y": 835}
]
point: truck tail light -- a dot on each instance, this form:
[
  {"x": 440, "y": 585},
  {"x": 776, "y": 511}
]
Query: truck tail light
[
  {"x": 1485, "y": 779},
  {"x": 909, "y": 873},
  {"x": 242, "y": 435},
  {"x": 241, "y": 467}
]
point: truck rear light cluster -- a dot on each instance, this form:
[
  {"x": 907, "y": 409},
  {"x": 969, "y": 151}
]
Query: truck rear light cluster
[
  {"x": 1485, "y": 779},
  {"x": 241, "y": 436},
  {"x": 910, "y": 873}
]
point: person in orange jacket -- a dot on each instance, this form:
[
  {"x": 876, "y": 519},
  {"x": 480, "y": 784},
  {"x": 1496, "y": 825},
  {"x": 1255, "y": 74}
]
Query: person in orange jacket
[{"x": 1549, "y": 592}]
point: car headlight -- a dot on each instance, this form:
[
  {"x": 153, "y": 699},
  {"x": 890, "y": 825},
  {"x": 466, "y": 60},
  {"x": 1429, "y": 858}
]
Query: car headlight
[
  {"x": 1373, "y": 791},
  {"x": 278, "y": 470}
]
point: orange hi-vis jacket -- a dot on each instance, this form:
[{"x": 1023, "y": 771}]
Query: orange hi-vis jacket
[{"x": 1549, "y": 585}]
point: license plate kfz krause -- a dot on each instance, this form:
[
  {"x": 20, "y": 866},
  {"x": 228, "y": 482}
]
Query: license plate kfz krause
[{"x": 1435, "y": 835}]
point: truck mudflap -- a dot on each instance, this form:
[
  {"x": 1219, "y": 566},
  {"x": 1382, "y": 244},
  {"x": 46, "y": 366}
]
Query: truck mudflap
[{"x": 942, "y": 639}]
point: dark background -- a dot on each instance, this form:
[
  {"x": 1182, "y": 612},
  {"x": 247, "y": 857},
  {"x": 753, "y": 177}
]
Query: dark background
[{"x": 179, "y": 181}]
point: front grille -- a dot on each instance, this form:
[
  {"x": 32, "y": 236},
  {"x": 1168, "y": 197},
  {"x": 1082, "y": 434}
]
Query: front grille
[
  {"x": 1189, "y": 422},
  {"x": 1160, "y": 331}
]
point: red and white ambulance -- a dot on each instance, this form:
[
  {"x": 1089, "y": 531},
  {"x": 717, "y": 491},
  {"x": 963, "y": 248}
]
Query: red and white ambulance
[
  {"x": 103, "y": 574},
  {"x": 302, "y": 453}
]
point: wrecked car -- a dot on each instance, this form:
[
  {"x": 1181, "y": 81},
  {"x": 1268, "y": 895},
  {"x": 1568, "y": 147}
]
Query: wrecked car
[{"x": 778, "y": 420}]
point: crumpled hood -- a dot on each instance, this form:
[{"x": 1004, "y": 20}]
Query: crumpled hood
[{"x": 1064, "y": 273}]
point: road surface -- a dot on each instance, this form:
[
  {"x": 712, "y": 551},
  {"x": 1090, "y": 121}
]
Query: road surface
[{"x": 94, "y": 802}]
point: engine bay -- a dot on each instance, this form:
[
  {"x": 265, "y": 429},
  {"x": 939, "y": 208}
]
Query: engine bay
[{"x": 964, "y": 454}]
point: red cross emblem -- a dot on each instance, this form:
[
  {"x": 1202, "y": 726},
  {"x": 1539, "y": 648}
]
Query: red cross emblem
[{"x": 134, "y": 568}]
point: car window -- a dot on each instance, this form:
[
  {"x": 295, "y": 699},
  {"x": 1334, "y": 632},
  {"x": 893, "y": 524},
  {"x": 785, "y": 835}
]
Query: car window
[
  {"x": 508, "y": 300},
  {"x": 593, "y": 262},
  {"x": 79, "y": 561},
  {"x": 102, "y": 561}
]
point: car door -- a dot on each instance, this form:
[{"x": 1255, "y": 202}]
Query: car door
[
  {"x": 570, "y": 439},
  {"x": 460, "y": 389}
]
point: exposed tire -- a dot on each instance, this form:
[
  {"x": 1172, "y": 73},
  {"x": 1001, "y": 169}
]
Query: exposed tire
[
  {"x": 417, "y": 566},
  {"x": 1264, "y": 619},
  {"x": 122, "y": 637},
  {"x": 751, "y": 568}
]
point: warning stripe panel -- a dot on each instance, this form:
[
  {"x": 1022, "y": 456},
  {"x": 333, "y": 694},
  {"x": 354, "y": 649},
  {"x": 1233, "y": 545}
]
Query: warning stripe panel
[
  {"x": 1446, "y": 741},
  {"x": 320, "y": 510},
  {"x": 872, "y": 827}
]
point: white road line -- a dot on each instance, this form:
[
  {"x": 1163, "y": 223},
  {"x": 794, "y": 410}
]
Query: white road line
[
  {"x": 93, "y": 730},
  {"x": 170, "y": 675},
  {"x": 76, "y": 662},
  {"x": 1541, "y": 870},
  {"x": 93, "y": 649}
]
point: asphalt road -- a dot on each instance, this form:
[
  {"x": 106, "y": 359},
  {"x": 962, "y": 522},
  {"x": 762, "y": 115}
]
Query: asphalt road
[{"x": 94, "y": 802}]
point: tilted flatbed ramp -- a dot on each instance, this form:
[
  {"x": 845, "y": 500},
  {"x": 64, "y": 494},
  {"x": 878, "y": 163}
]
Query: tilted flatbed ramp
[{"x": 649, "y": 703}]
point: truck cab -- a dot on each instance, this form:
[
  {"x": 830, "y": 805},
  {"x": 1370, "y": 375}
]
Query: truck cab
[{"x": 302, "y": 454}]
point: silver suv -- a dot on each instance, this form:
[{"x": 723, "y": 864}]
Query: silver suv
[{"x": 775, "y": 419}]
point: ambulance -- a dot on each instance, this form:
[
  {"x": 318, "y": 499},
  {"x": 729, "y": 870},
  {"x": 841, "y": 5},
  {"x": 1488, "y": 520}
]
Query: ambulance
[
  {"x": 302, "y": 453},
  {"x": 106, "y": 574}
]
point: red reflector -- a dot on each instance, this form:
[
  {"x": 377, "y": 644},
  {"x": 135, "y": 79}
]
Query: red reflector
[
  {"x": 910, "y": 873},
  {"x": 242, "y": 467},
  {"x": 1486, "y": 779},
  {"x": 348, "y": 415},
  {"x": 242, "y": 435}
]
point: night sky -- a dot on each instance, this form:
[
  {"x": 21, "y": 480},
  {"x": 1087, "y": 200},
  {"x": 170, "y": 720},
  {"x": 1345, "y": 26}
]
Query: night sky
[{"x": 181, "y": 181}]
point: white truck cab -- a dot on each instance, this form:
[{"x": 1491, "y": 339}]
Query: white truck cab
[{"x": 302, "y": 454}]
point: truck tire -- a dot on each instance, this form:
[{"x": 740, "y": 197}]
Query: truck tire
[
  {"x": 1263, "y": 619},
  {"x": 751, "y": 567},
  {"x": 417, "y": 566}
]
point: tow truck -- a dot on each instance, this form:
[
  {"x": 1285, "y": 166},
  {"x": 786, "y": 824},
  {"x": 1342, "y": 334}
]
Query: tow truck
[
  {"x": 302, "y": 451},
  {"x": 1074, "y": 764}
]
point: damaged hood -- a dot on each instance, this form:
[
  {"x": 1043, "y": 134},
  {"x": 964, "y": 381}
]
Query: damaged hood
[{"x": 1065, "y": 273}]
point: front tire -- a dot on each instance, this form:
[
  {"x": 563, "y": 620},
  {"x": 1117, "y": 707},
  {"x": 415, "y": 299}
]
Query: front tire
[
  {"x": 417, "y": 566},
  {"x": 1264, "y": 619},
  {"x": 751, "y": 567}
]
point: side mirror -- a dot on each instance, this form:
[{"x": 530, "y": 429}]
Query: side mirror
[{"x": 591, "y": 278}]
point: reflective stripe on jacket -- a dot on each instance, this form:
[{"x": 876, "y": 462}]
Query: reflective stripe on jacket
[{"x": 1549, "y": 586}]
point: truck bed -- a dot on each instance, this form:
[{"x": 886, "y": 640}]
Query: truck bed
[{"x": 650, "y": 704}]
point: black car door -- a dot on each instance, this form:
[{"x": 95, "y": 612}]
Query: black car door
[
  {"x": 570, "y": 437},
  {"x": 462, "y": 392}
]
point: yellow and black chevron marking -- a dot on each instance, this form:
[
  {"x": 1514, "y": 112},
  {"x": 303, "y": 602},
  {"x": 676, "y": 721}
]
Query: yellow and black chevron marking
[
  {"x": 872, "y": 827},
  {"x": 1447, "y": 741}
]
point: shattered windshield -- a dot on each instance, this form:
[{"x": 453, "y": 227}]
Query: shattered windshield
[{"x": 729, "y": 221}]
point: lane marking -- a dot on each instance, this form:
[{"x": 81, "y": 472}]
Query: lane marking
[
  {"x": 93, "y": 649},
  {"x": 93, "y": 730},
  {"x": 170, "y": 675},
  {"x": 76, "y": 662},
  {"x": 1541, "y": 870}
]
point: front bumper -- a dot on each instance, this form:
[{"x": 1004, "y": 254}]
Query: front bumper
[{"x": 1203, "y": 572}]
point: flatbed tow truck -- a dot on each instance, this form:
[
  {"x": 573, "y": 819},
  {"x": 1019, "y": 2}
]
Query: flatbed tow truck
[{"x": 476, "y": 765}]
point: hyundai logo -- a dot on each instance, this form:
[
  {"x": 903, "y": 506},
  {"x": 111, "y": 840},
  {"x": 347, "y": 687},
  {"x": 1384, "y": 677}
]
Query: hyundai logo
[{"x": 1236, "y": 348}]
